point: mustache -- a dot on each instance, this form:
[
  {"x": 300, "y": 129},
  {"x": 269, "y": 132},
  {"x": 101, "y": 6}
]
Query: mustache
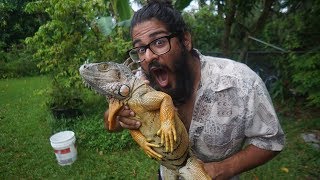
[{"x": 155, "y": 64}]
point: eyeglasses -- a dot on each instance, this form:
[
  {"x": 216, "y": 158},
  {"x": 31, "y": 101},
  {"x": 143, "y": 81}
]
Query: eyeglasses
[{"x": 158, "y": 46}]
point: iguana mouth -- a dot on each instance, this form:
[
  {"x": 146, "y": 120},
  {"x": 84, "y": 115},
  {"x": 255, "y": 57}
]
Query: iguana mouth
[{"x": 161, "y": 76}]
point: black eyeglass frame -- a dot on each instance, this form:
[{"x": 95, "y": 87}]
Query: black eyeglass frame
[{"x": 169, "y": 37}]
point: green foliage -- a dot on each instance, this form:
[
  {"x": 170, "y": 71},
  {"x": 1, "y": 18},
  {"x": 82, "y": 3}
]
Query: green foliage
[
  {"x": 26, "y": 152},
  {"x": 206, "y": 29},
  {"x": 306, "y": 75},
  {"x": 121, "y": 9},
  {"x": 91, "y": 134},
  {"x": 15, "y": 23},
  {"x": 306, "y": 67},
  {"x": 69, "y": 39},
  {"x": 25, "y": 148},
  {"x": 181, "y": 4},
  {"x": 17, "y": 62},
  {"x": 289, "y": 165},
  {"x": 296, "y": 30}
]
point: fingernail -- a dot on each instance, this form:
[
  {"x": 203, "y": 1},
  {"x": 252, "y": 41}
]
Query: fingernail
[
  {"x": 131, "y": 113},
  {"x": 138, "y": 124}
]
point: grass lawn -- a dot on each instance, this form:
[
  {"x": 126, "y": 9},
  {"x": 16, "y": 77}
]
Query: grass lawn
[
  {"x": 25, "y": 150},
  {"x": 26, "y": 153}
]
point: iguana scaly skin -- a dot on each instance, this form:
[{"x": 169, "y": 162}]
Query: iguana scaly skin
[{"x": 162, "y": 134}]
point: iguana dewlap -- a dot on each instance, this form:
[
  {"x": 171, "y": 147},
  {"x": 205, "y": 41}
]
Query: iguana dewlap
[{"x": 162, "y": 134}]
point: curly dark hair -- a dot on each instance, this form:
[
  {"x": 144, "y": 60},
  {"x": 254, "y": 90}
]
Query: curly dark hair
[{"x": 163, "y": 11}]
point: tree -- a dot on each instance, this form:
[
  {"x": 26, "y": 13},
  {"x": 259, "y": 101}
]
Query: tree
[
  {"x": 71, "y": 36},
  {"x": 255, "y": 27},
  {"x": 178, "y": 4},
  {"x": 241, "y": 20},
  {"x": 296, "y": 27},
  {"x": 15, "y": 24},
  {"x": 206, "y": 29}
]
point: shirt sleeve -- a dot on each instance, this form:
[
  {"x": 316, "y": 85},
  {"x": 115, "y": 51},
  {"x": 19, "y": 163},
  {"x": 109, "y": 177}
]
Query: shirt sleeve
[{"x": 262, "y": 127}]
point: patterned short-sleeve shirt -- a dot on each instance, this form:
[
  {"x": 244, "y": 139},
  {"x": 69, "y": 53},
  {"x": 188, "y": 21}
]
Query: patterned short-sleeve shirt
[{"x": 232, "y": 108}]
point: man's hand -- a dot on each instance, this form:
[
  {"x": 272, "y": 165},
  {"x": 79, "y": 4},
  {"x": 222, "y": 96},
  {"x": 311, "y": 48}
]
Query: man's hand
[
  {"x": 124, "y": 119},
  {"x": 216, "y": 170},
  {"x": 245, "y": 160}
]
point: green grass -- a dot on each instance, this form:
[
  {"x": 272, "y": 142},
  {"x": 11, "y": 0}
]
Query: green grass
[
  {"x": 25, "y": 150},
  {"x": 26, "y": 153},
  {"x": 300, "y": 159}
]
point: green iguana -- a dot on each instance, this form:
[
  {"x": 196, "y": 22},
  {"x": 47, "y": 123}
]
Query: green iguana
[{"x": 162, "y": 134}]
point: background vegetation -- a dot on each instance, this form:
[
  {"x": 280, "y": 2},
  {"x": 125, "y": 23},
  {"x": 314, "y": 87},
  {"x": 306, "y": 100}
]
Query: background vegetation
[
  {"x": 25, "y": 151},
  {"x": 50, "y": 39}
]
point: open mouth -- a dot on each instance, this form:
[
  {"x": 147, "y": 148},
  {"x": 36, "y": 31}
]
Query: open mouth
[{"x": 160, "y": 75}]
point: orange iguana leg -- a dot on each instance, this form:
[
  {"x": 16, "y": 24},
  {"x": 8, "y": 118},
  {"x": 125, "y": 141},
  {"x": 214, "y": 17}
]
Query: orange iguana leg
[
  {"x": 167, "y": 130},
  {"x": 161, "y": 101},
  {"x": 145, "y": 145},
  {"x": 114, "y": 107}
]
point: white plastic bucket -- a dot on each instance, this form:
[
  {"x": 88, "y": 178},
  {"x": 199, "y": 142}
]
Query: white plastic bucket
[{"x": 64, "y": 147}]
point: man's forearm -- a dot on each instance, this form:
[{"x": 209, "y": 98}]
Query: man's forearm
[{"x": 247, "y": 159}]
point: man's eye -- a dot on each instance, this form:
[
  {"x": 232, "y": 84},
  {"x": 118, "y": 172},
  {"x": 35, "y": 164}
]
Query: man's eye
[
  {"x": 141, "y": 50},
  {"x": 159, "y": 42}
]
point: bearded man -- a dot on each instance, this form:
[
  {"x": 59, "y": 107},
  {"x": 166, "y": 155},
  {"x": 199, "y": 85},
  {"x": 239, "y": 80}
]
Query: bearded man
[{"x": 223, "y": 104}]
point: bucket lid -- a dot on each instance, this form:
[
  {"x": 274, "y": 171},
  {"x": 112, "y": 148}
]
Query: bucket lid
[{"x": 62, "y": 136}]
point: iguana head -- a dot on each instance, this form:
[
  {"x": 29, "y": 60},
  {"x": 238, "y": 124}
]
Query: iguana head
[{"x": 108, "y": 78}]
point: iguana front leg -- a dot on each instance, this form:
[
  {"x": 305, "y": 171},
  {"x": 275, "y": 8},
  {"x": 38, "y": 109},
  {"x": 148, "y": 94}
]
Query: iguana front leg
[
  {"x": 145, "y": 145},
  {"x": 157, "y": 100},
  {"x": 114, "y": 107}
]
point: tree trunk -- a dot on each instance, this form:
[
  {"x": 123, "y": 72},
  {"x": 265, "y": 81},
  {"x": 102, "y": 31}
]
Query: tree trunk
[
  {"x": 245, "y": 46},
  {"x": 229, "y": 20},
  {"x": 255, "y": 28}
]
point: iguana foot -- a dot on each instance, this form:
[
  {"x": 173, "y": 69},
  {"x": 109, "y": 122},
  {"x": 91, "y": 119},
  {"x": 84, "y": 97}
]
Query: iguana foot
[
  {"x": 150, "y": 152},
  {"x": 168, "y": 135}
]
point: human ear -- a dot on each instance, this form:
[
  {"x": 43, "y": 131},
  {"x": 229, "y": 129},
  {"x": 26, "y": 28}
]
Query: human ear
[{"x": 187, "y": 40}]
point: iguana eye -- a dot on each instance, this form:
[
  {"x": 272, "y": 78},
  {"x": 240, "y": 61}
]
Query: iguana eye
[{"x": 103, "y": 67}]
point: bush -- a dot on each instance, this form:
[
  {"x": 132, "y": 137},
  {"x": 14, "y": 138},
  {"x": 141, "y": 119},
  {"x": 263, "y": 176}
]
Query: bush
[
  {"x": 17, "y": 63},
  {"x": 306, "y": 75},
  {"x": 68, "y": 40}
]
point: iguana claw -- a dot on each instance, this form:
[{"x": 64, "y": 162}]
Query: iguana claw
[
  {"x": 168, "y": 135},
  {"x": 146, "y": 145},
  {"x": 150, "y": 152}
]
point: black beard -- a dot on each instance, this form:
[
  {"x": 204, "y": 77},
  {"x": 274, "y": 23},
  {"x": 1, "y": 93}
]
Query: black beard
[{"x": 184, "y": 79}]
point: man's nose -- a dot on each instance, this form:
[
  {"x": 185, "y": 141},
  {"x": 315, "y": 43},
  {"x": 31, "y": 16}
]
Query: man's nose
[{"x": 149, "y": 56}]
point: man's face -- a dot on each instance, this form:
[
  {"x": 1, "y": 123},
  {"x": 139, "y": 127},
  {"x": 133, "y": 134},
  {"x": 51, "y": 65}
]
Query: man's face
[{"x": 168, "y": 72}]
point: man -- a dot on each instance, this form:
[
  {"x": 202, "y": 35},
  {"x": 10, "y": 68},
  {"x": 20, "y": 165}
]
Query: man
[{"x": 222, "y": 103}]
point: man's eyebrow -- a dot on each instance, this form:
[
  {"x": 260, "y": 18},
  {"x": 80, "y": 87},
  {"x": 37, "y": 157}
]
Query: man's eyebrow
[{"x": 150, "y": 35}]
